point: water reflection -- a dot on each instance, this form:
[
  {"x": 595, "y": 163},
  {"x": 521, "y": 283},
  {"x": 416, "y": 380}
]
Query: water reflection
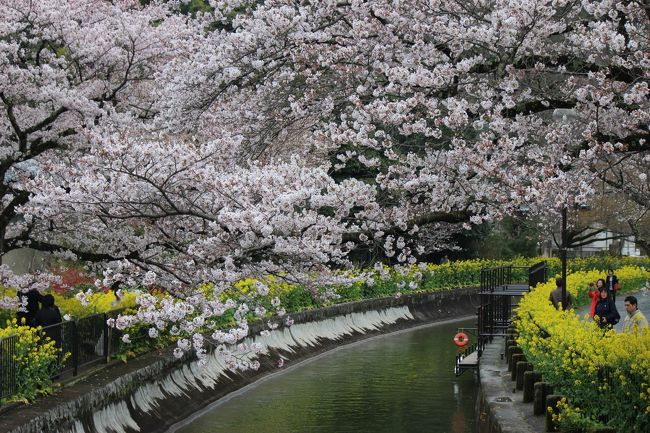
[{"x": 398, "y": 383}]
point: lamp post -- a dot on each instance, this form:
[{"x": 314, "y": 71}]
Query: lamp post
[{"x": 564, "y": 115}]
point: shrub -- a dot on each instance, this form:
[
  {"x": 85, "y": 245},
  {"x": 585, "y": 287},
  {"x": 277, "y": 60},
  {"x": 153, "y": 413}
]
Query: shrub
[{"x": 35, "y": 359}]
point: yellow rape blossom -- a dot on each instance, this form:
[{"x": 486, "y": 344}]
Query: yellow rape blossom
[{"x": 603, "y": 374}]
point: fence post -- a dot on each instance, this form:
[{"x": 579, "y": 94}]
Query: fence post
[
  {"x": 75, "y": 348},
  {"x": 552, "y": 409},
  {"x": 530, "y": 377},
  {"x": 3, "y": 369},
  {"x": 106, "y": 337}
]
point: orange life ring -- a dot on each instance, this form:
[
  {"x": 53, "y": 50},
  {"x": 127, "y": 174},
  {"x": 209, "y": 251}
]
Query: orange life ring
[{"x": 461, "y": 339}]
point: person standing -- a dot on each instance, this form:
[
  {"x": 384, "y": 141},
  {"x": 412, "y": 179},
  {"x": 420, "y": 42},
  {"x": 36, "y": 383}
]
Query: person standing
[
  {"x": 594, "y": 294},
  {"x": 634, "y": 320},
  {"x": 605, "y": 311},
  {"x": 556, "y": 296},
  {"x": 611, "y": 282},
  {"x": 26, "y": 314},
  {"x": 48, "y": 316}
]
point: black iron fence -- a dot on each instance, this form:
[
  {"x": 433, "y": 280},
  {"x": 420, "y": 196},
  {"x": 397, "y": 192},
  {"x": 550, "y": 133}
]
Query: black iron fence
[
  {"x": 537, "y": 274},
  {"x": 87, "y": 342},
  {"x": 501, "y": 289},
  {"x": 8, "y": 383}
]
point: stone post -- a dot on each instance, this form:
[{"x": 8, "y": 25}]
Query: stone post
[
  {"x": 541, "y": 390},
  {"x": 522, "y": 367},
  {"x": 530, "y": 377},
  {"x": 551, "y": 409},
  {"x": 512, "y": 350},
  {"x": 517, "y": 357}
]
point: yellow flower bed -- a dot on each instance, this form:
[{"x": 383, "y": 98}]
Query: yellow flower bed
[
  {"x": 604, "y": 375},
  {"x": 248, "y": 287},
  {"x": 35, "y": 359},
  {"x": 98, "y": 302}
]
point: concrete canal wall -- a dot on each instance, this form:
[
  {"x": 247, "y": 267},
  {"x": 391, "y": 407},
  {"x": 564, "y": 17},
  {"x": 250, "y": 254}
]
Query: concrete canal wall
[{"x": 154, "y": 391}]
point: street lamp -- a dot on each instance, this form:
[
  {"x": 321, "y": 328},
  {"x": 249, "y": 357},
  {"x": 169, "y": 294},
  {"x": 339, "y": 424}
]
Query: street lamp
[{"x": 564, "y": 115}]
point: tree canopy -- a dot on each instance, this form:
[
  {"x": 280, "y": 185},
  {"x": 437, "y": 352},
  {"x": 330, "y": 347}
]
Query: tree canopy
[{"x": 254, "y": 138}]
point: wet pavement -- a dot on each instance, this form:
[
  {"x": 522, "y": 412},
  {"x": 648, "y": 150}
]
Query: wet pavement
[{"x": 502, "y": 408}]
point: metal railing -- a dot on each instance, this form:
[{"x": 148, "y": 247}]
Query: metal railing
[
  {"x": 459, "y": 366},
  {"x": 88, "y": 341},
  {"x": 499, "y": 294},
  {"x": 8, "y": 383},
  {"x": 537, "y": 274}
]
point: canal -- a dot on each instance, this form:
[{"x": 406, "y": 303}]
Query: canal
[{"x": 400, "y": 382}]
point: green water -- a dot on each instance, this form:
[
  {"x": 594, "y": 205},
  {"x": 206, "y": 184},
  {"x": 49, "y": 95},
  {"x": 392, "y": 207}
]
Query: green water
[{"x": 396, "y": 383}]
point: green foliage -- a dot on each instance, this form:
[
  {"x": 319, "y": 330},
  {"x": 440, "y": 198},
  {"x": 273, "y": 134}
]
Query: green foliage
[
  {"x": 507, "y": 239},
  {"x": 296, "y": 298},
  {"x": 142, "y": 343},
  {"x": 350, "y": 292},
  {"x": 195, "y": 6}
]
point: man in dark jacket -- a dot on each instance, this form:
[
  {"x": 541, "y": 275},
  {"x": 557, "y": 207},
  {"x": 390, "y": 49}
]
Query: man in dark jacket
[
  {"x": 50, "y": 315},
  {"x": 556, "y": 296},
  {"x": 610, "y": 282}
]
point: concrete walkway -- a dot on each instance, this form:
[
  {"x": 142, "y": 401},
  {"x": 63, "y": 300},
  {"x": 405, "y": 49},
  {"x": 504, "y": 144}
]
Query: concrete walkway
[{"x": 502, "y": 406}]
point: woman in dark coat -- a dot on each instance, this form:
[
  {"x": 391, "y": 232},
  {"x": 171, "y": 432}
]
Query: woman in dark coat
[
  {"x": 50, "y": 315},
  {"x": 30, "y": 301},
  {"x": 605, "y": 310}
]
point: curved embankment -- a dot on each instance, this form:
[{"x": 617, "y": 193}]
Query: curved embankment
[{"x": 152, "y": 392}]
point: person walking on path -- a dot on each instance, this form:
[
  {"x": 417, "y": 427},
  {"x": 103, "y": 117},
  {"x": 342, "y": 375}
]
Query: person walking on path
[
  {"x": 612, "y": 284},
  {"x": 556, "y": 296},
  {"x": 606, "y": 312},
  {"x": 634, "y": 320},
  {"x": 47, "y": 316}
]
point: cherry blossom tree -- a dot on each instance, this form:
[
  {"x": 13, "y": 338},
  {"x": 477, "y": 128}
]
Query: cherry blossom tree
[
  {"x": 274, "y": 137},
  {"x": 90, "y": 173},
  {"x": 445, "y": 106},
  {"x": 67, "y": 67},
  {"x": 626, "y": 194}
]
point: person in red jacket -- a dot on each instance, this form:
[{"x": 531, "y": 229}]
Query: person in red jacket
[{"x": 594, "y": 294}]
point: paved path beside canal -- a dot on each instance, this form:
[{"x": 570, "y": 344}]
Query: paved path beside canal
[{"x": 502, "y": 407}]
